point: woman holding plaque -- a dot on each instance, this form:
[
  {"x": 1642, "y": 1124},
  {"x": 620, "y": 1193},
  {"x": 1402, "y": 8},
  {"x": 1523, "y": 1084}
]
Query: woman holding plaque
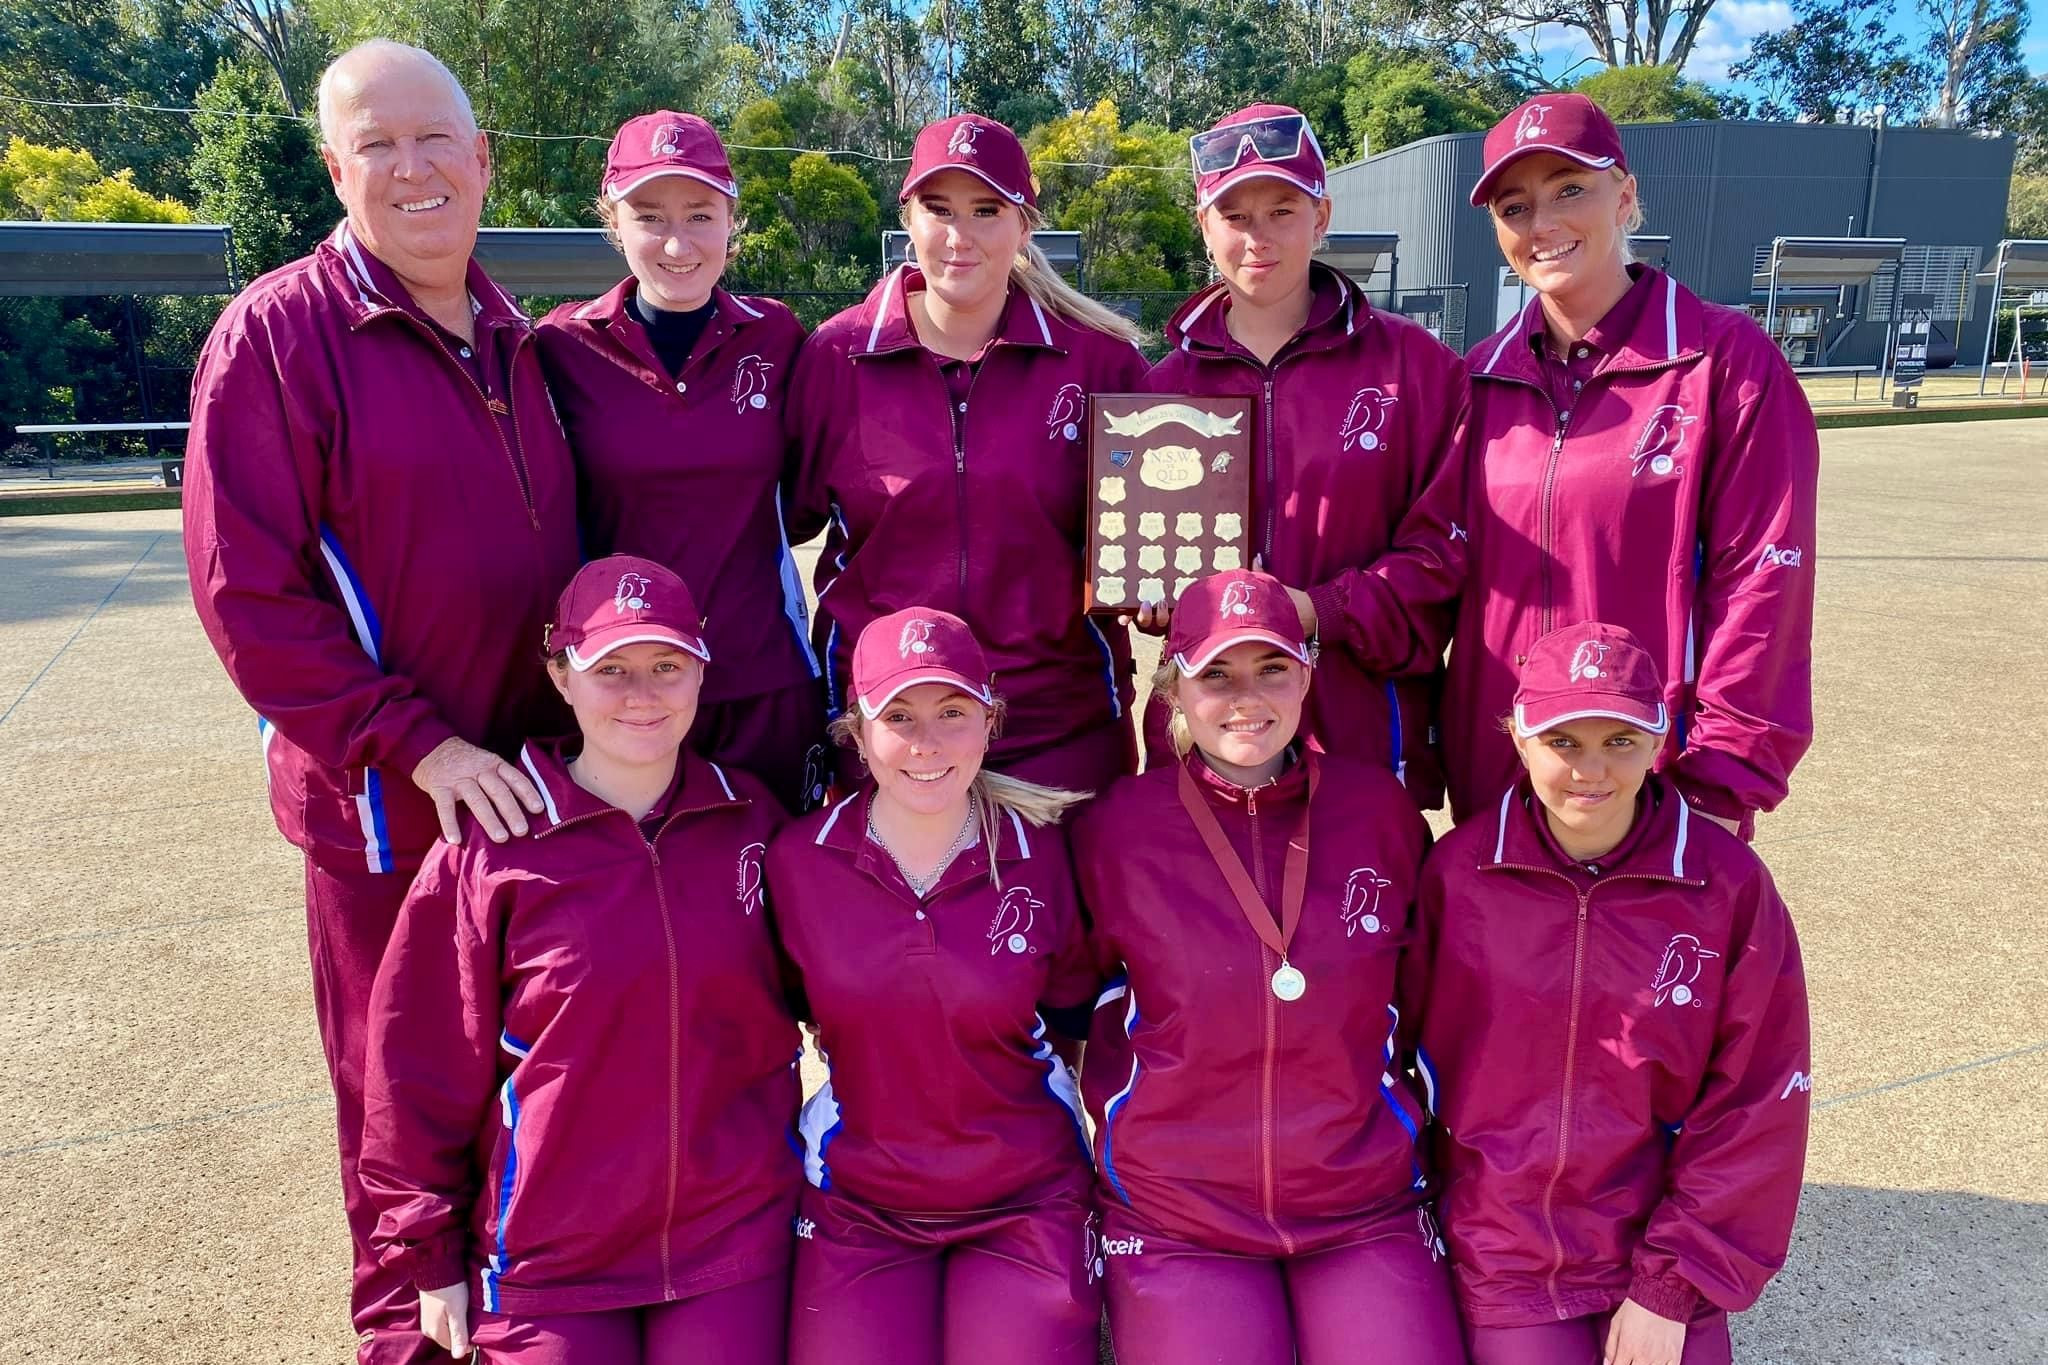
[
  {"x": 941, "y": 433},
  {"x": 1356, "y": 487},
  {"x": 1256, "y": 1144},
  {"x": 671, "y": 390},
  {"x": 1639, "y": 457},
  {"x": 932, "y": 920}
]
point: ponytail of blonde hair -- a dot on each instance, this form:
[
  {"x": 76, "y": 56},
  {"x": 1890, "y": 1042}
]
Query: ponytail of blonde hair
[{"x": 1034, "y": 274}]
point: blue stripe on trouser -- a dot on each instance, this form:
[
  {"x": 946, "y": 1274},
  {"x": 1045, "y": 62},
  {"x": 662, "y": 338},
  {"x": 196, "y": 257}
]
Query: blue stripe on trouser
[
  {"x": 1400, "y": 761},
  {"x": 1116, "y": 702},
  {"x": 1118, "y": 1100}
]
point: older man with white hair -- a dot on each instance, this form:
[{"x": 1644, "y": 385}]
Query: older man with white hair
[{"x": 379, "y": 510}]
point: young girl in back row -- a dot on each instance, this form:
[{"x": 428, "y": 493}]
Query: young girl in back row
[{"x": 1616, "y": 1037}]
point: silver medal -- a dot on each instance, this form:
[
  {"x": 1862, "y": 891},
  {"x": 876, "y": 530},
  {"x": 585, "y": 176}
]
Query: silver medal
[{"x": 1289, "y": 983}]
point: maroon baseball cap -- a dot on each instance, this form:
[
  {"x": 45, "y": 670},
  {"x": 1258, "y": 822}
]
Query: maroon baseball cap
[
  {"x": 913, "y": 646},
  {"x": 624, "y": 600},
  {"x": 1569, "y": 125},
  {"x": 1590, "y": 669},
  {"x": 1235, "y": 607},
  {"x": 1259, "y": 139},
  {"x": 666, "y": 143},
  {"x": 981, "y": 147}
]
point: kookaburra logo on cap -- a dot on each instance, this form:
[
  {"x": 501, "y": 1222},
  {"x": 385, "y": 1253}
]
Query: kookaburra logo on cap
[
  {"x": 962, "y": 141},
  {"x": 916, "y": 637},
  {"x": 1530, "y": 124},
  {"x": 1586, "y": 661},
  {"x": 631, "y": 594},
  {"x": 1237, "y": 600},
  {"x": 668, "y": 140}
]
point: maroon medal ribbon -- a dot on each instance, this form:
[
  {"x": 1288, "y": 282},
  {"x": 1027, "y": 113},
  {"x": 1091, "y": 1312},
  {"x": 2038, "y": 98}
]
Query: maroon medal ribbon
[{"x": 1288, "y": 983}]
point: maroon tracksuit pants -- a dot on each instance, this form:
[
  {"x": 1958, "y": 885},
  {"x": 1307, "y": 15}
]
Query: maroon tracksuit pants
[
  {"x": 1005, "y": 1286},
  {"x": 741, "y": 1324},
  {"x": 1379, "y": 1293},
  {"x": 349, "y": 918},
  {"x": 1582, "y": 1341}
]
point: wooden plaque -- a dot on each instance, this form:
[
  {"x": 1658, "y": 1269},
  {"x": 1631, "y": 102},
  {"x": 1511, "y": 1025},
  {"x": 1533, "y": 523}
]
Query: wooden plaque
[{"x": 1169, "y": 495}]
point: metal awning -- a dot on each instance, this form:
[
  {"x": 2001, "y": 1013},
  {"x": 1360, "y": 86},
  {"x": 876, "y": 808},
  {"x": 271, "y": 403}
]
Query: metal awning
[
  {"x": 1650, "y": 250},
  {"x": 577, "y": 262},
  {"x": 1063, "y": 249},
  {"x": 1358, "y": 254},
  {"x": 2018, "y": 262},
  {"x": 1828, "y": 262},
  {"x": 52, "y": 259}
]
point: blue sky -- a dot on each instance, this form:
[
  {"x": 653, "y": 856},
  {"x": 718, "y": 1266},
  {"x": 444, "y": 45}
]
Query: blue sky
[{"x": 1732, "y": 24}]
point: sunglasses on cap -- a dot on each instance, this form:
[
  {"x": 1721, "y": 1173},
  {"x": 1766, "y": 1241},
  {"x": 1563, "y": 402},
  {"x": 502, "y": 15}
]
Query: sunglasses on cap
[{"x": 1277, "y": 137}]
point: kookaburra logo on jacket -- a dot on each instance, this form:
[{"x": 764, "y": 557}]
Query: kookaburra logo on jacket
[
  {"x": 1362, "y": 901},
  {"x": 1015, "y": 916},
  {"x": 750, "y": 877},
  {"x": 631, "y": 594},
  {"x": 1366, "y": 422},
  {"x": 1683, "y": 957},
  {"x": 916, "y": 637},
  {"x": 1063, "y": 419},
  {"x": 750, "y": 383},
  {"x": 1662, "y": 438},
  {"x": 962, "y": 141}
]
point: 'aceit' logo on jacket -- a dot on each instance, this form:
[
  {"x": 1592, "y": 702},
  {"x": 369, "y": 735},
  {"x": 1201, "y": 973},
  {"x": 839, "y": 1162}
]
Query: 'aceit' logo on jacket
[
  {"x": 631, "y": 594},
  {"x": 1791, "y": 557},
  {"x": 750, "y": 877},
  {"x": 1663, "y": 437},
  {"x": 750, "y": 383},
  {"x": 1683, "y": 958},
  {"x": 1015, "y": 917},
  {"x": 916, "y": 637},
  {"x": 1362, "y": 901},
  {"x": 1063, "y": 418},
  {"x": 1365, "y": 424}
]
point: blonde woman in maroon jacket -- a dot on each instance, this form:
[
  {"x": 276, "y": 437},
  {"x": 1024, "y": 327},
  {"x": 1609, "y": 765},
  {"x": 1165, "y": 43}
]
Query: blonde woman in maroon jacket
[
  {"x": 1264, "y": 1200},
  {"x": 1615, "y": 1037},
  {"x": 580, "y": 1081},
  {"x": 940, "y": 425}
]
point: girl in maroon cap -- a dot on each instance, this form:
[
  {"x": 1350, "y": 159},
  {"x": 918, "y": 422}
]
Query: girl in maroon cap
[
  {"x": 1264, "y": 1198},
  {"x": 1357, "y": 481},
  {"x": 1639, "y": 456},
  {"x": 932, "y": 919},
  {"x": 941, "y": 425},
  {"x": 579, "y": 1081},
  {"x": 1615, "y": 1038},
  {"x": 671, "y": 390}
]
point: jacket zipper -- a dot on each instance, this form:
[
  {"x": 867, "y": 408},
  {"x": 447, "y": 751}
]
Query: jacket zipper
[
  {"x": 958, "y": 411},
  {"x": 1272, "y": 474},
  {"x": 1546, "y": 512},
  {"x": 675, "y": 1065},
  {"x": 1564, "y": 1111},
  {"x": 1268, "y": 1057},
  {"x": 517, "y": 460}
]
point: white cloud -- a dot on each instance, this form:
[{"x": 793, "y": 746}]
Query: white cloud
[{"x": 1729, "y": 29}]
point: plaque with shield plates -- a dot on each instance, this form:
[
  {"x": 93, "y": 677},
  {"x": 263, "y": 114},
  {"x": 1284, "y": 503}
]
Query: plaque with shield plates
[{"x": 1169, "y": 495}]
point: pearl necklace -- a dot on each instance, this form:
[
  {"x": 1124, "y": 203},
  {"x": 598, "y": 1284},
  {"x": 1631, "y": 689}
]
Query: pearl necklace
[{"x": 921, "y": 885}]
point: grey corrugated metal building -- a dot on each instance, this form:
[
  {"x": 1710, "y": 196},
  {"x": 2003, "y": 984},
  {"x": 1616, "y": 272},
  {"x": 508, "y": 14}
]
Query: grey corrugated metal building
[{"x": 1723, "y": 190}]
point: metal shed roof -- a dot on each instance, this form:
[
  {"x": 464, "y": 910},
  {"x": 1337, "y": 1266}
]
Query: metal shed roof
[
  {"x": 116, "y": 258},
  {"x": 1651, "y": 250}
]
